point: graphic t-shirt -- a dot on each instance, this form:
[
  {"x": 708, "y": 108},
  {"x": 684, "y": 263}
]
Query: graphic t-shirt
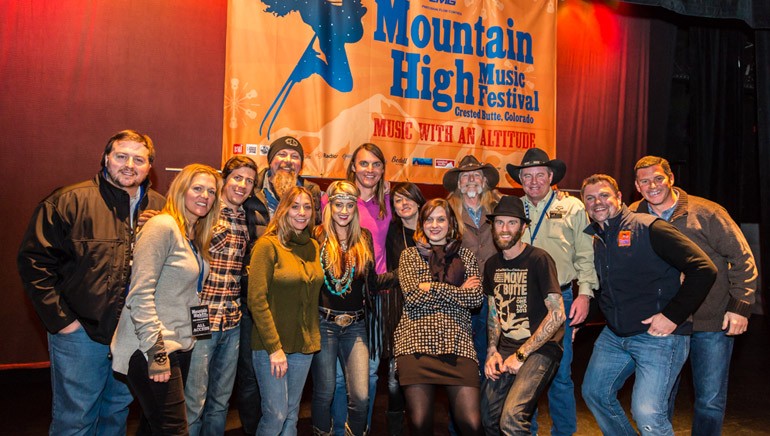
[{"x": 520, "y": 287}]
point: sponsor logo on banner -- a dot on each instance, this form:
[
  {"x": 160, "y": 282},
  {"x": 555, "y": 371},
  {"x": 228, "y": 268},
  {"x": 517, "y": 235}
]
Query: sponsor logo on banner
[
  {"x": 398, "y": 160},
  {"x": 444, "y": 2},
  {"x": 445, "y": 163},
  {"x": 263, "y": 149},
  {"x": 251, "y": 149},
  {"x": 422, "y": 161},
  {"x": 330, "y": 156},
  {"x": 237, "y": 148},
  {"x": 347, "y": 155}
]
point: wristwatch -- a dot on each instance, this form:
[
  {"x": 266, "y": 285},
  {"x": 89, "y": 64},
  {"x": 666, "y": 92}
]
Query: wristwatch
[{"x": 520, "y": 356}]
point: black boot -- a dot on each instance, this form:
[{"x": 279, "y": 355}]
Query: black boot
[{"x": 395, "y": 423}]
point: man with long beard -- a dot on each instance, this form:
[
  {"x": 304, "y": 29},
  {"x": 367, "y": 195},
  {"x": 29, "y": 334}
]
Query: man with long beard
[
  {"x": 524, "y": 326},
  {"x": 285, "y": 159},
  {"x": 472, "y": 194}
]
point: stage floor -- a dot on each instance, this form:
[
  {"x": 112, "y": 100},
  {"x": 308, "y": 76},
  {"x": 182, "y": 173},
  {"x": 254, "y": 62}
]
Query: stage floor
[{"x": 25, "y": 395}]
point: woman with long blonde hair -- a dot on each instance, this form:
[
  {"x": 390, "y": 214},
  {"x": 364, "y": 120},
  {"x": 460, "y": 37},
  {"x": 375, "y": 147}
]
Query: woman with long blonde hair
[
  {"x": 345, "y": 302},
  {"x": 154, "y": 339},
  {"x": 284, "y": 281}
]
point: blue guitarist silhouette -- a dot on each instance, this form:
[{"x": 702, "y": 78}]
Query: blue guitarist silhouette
[{"x": 335, "y": 23}]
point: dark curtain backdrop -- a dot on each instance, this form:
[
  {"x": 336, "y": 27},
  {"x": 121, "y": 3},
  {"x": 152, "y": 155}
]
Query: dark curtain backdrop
[
  {"x": 74, "y": 72},
  {"x": 602, "y": 82}
]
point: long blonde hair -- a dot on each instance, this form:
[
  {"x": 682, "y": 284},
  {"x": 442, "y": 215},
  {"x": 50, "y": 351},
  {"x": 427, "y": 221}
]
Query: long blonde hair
[
  {"x": 358, "y": 242},
  {"x": 280, "y": 225},
  {"x": 175, "y": 199}
]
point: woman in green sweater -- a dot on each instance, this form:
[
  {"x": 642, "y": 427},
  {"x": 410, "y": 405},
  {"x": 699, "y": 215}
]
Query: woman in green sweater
[{"x": 284, "y": 281}]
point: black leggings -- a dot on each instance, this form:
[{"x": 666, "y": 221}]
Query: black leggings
[
  {"x": 163, "y": 407},
  {"x": 463, "y": 402}
]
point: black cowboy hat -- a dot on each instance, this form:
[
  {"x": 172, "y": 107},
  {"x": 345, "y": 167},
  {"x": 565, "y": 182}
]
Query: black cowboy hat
[
  {"x": 470, "y": 163},
  {"x": 509, "y": 205},
  {"x": 535, "y": 157}
]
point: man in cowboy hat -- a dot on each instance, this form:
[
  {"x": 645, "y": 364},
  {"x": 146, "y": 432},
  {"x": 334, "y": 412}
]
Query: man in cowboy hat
[
  {"x": 557, "y": 227},
  {"x": 526, "y": 314},
  {"x": 472, "y": 195}
]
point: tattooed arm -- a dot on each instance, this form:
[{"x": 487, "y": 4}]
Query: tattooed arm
[
  {"x": 545, "y": 332},
  {"x": 494, "y": 364}
]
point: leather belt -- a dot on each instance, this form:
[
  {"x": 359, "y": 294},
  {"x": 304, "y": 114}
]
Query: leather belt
[{"x": 342, "y": 319}]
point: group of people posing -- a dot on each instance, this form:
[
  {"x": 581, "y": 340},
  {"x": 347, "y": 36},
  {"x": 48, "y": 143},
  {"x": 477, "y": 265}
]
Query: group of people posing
[{"x": 258, "y": 278}]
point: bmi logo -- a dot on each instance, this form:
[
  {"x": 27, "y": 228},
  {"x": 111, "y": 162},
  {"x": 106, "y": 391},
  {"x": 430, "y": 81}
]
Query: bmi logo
[
  {"x": 445, "y": 163},
  {"x": 445, "y": 2}
]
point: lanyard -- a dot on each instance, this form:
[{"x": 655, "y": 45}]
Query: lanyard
[
  {"x": 540, "y": 220},
  {"x": 200, "y": 266}
]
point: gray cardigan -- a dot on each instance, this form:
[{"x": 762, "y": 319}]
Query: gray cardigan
[{"x": 164, "y": 284}]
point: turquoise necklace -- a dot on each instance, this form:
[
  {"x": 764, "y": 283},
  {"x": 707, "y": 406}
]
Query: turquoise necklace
[{"x": 341, "y": 285}]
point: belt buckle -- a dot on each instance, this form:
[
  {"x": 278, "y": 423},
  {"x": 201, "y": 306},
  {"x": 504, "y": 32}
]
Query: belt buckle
[{"x": 344, "y": 320}]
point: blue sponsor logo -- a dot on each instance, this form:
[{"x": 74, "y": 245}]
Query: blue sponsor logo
[
  {"x": 445, "y": 2},
  {"x": 422, "y": 161}
]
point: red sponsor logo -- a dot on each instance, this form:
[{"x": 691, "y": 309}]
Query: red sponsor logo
[
  {"x": 444, "y": 163},
  {"x": 237, "y": 148},
  {"x": 624, "y": 238}
]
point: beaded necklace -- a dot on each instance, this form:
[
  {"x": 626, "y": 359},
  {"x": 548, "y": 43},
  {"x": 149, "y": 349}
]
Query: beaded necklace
[{"x": 341, "y": 285}]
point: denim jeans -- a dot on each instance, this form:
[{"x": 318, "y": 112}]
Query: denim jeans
[
  {"x": 339, "y": 405},
  {"x": 508, "y": 403},
  {"x": 656, "y": 362},
  {"x": 280, "y": 396},
  {"x": 163, "y": 407},
  {"x": 210, "y": 381},
  {"x": 561, "y": 394},
  {"x": 87, "y": 399},
  {"x": 479, "y": 327},
  {"x": 249, "y": 400},
  {"x": 347, "y": 345},
  {"x": 710, "y": 354}
]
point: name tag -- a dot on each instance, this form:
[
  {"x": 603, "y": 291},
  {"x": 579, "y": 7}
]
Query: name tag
[
  {"x": 199, "y": 316},
  {"x": 624, "y": 238},
  {"x": 555, "y": 215}
]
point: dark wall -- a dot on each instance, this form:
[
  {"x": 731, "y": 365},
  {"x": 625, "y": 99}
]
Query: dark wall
[{"x": 71, "y": 75}]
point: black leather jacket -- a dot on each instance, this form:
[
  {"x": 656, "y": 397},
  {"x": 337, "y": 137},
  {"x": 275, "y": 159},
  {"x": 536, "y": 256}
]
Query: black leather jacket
[{"x": 75, "y": 257}]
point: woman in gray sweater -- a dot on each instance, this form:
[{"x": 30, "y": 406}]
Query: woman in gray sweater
[{"x": 154, "y": 338}]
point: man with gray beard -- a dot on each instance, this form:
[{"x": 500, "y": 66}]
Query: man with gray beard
[
  {"x": 285, "y": 159},
  {"x": 525, "y": 324},
  {"x": 472, "y": 195}
]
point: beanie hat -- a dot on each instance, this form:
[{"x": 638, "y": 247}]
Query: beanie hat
[{"x": 286, "y": 142}]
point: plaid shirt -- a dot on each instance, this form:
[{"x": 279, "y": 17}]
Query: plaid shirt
[{"x": 222, "y": 288}]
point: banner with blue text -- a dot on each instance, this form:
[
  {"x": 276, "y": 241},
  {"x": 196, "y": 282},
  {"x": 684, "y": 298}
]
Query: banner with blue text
[{"x": 429, "y": 81}]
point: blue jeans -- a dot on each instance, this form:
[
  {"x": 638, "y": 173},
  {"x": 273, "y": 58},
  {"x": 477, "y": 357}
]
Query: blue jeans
[
  {"x": 347, "y": 345},
  {"x": 479, "y": 326},
  {"x": 210, "y": 381},
  {"x": 656, "y": 362},
  {"x": 249, "y": 400},
  {"x": 87, "y": 399},
  {"x": 710, "y": 354},
  {"x": 561, "y": 394},
  {"x": 508, "y": 403},
  {"x": 339, "y": 405},
  {"x": 280, "y": 396}
]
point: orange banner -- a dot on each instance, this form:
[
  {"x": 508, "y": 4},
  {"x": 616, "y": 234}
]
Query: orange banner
[{"x": 429, "y": 81}]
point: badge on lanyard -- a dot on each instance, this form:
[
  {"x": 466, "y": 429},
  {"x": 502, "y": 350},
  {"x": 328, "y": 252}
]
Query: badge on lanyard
[
  {"x": 624, "y": 238},
  {"x": 199, "y": 316}
]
